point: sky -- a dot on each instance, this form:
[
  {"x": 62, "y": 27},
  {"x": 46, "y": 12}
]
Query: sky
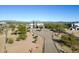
[{"x": 39, "y": 12}]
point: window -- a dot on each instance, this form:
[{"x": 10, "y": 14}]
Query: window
[{"x": 77, "y": 28}]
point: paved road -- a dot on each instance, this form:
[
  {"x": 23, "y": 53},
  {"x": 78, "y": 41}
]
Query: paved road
[{"x": 48, "y": 43}]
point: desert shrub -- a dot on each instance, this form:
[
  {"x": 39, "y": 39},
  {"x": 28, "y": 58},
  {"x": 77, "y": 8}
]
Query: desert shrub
[
  {"x": 18, "y": 39},
  {"x": 22, "y": 29},
  {"x": 22, "y": 32},
  {"x": 55, "y": 27},
  {"x": 21, "y": 37},
  {"x": 70, "y": 40},
  {"x": 32, "y": 34},
  {"x": 28, "y": 30},
  {"x": 12, "y": 26},
  {"x": 34, "y": 41},
  {"x": 10, "y": 40},
  {"x": 35, "y": 37}
]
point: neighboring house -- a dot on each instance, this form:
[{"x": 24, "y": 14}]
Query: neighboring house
[
  {"x": 36, "y": 25},
  {"x": 2, "y": 23},
  {"x": 31, "y": 25},
  {"x": 75, "y": 26},
  {"x": 2, "y": 26}
]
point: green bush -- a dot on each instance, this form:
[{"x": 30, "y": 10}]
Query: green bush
[
  {"x": 22, "y": 32},
  {"x": 12, "y": 26},
  {"x": 58, "y": 27},
  {"x": 22, "y": 29},
  {"x": 21, "y": 37},
  {"x": 34, "y": 41},
  {"x": 10, "y": 41},
  {"x": 18, "y": 39},
  {"x": 35, "y": 37},
  {"x": 28, "y": 30}
]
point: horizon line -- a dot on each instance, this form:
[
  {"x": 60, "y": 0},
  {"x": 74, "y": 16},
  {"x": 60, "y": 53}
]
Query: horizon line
[{"x": 34, "y": 21}]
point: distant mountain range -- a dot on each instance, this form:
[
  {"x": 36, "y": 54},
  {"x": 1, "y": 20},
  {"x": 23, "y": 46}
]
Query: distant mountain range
[{"x": 14, "y": 21}]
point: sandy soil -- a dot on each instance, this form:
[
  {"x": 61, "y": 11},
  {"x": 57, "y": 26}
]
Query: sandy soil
[
  {"x": 2, "y": 43},
  {"x": 24, "y": 46}
]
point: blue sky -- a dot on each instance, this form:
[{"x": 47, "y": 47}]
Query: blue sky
[{"x": 39, "y": 12}]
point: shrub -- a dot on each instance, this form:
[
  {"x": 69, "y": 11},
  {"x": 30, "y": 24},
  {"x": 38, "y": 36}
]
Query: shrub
[
  {"x": 22, "y": 36},
  {"x": 12, "y": 26},
  {"x": 56, "y": 27},
  {"x": 18, "y": 39},
  {"x": 32, "y": 34},
  {"x": 28, "y": 30},
  {"x": 22, "y": 29},
  {"x": 35, "y": 37},
  {"x": 70, "y": 40},
  {"x": 34, "y": 41},
  {"x": 10, "y": 41}
]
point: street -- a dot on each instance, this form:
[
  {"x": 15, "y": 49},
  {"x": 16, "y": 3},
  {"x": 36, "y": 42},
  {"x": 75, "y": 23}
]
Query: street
[{"x": 49, "y": 46}]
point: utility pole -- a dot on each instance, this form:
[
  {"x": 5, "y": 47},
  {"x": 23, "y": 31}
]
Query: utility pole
[{"x": 33, "y": 24}]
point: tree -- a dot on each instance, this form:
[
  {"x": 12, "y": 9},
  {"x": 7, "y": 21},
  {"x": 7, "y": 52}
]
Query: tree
[
  {"x": 22, "y": 29},
  {"x": 67, "y": 25},
  {"x": 55, "y": 27},
  {"x": 22, "y": 32}
]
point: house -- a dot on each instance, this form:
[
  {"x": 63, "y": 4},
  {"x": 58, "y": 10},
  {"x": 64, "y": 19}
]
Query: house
[
  {"x": 2, "y": 26},
  {"x": 75, "y": 26},
  {"x": 31, "y": 25},
  {"x": 2, "y": 23},
  {"x": 36, "y": 25}
]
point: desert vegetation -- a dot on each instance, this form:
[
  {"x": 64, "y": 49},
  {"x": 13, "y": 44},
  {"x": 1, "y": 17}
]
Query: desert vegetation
[
  {"x": 17, "y": 37},
  {"x": 65, "y": 38},
  {"x": 70, "y": 41},
  {"x": 10, "y": 40},
  {"x": 21, "y": 32},
  {"x": 57, "y": 27},
  {"x": 35, "y": 39}
]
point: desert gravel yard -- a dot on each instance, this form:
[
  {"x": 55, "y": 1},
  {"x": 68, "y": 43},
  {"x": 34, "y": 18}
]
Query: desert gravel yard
[
  {"x": 2, "y": 43},
  {"x": 26, "y": 46}
]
